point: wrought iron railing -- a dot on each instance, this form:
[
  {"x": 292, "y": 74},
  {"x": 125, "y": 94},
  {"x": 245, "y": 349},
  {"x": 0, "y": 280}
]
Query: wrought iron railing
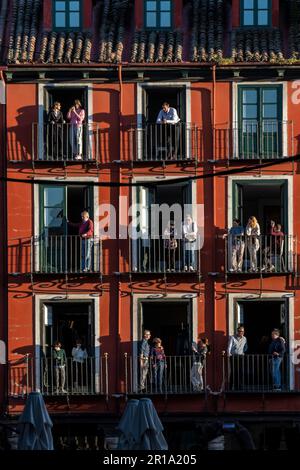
[
  {"x": 251, "y": 140},
  {"x": 174, "y": 375},
  {"x": 66, "y": 254},
  {"x": 164, "y": 142},
  {"x": 158, "y": 256},
  {"x": 72, "y": 378},
  {"x": 256, "y": 373},
  {"x": 65, "y": 142},
  {"x": 260, "y": 254}
]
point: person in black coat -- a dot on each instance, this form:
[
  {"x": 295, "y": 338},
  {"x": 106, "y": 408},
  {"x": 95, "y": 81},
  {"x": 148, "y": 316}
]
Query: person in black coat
[{"x": 55, "y": 132}]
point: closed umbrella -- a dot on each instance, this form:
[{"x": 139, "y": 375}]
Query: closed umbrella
[
  {"x": 35, "y": 425},
  {"x": 126, "y": 441},
  {"x": 147, "y": 428}
]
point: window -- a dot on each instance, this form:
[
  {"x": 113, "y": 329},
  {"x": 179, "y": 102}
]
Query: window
[
  {"x": 256, "y": 12},
  {"x": 158, "y": 14},
  {"x": 260, "y": 122},
  {"x": 67, "y": 14}
]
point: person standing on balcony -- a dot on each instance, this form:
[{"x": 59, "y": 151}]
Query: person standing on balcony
[
  {"x": 55, "y": 132},
  {"x": 170, "y": 243},
  {"x": 199, "y": 350},
  {"x": 253, "y": 236},
  {"x": 237, "y": 346},
  {"x": 189, "y": 229},
  {"x": 159, "y": 364},
  {"x": 276, "y": 351},
  {"x": 86, "y": 233},
  {"x": 79, "y": 355},
  {"x": 168, "y": 135},
  {"x": 59, "y": 361},
  {"x": 144, "y": 355},
  {"x": 76, "y": 116},
  {"x": 236, "y": 246}
]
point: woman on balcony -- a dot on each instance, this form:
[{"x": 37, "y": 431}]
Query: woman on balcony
[
  {"x": 200, "y": 350},
  {"x": 159, "y": 364},
  {"x": 55, "y": 132},
  {"x": 253, "y": 236},
  {"x": 76, "y": 117}
]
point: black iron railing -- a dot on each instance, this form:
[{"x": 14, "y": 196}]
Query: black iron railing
[
  {"x": 260, "y": 254},
  {"x": 174, "y": 375},
  {"x": 66, "y": 254},
  {"x": 65, "y": 142}
]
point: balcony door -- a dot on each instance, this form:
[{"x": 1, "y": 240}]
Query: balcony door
[
  {"x": 260, "y": 121},
  {"x": 148, "y": 252},
  {"x": 59, "y": 242}
]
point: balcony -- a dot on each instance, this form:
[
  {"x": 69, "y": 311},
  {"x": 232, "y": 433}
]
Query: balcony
[
  {"x": 179, "y": 375},
  {"x": 254, "y": 140},
  {"x": 66, "y": 254},
  {"x": 254, "y": 373},
  {"x": 273, "y": 256},
  {"x": 152, "y": 256},
  {"x": 181, "y": 142},
  {"x": 56, "y": 143},
  {"x": 29, "y": 373}
]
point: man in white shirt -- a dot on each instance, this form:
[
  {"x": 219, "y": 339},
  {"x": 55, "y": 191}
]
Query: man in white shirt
[
  {"x": 167, "y": 115},
  {"x": 237, "y": 346},
  {"x": 169, "y": 134}
]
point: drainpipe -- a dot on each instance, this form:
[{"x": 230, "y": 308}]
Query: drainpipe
[
  {"x": 213, "y": 108},
  {"x": 3, "y": 173},
  {"x": 118, "y": 323},
  {"x": 213, "y": 265}
]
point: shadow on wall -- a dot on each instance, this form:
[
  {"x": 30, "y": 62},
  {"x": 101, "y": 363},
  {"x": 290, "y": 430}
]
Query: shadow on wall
[{"x": 19, "y": 137}]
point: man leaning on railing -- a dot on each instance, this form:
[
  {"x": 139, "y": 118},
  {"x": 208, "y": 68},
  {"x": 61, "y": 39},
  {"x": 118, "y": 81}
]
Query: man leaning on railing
[{"x": 168, "y": 136}]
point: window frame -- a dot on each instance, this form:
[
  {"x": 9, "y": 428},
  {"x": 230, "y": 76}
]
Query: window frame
[
  {"x": 67, "y": 11},
  {"x": 255, "y": 11},
  {"x": 260, "y": 119},
  {"x": 158, "y": 17}
]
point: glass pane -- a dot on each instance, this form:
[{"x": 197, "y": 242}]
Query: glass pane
[
  {"x": 270, "y": 96},
  {"x": 249, "y": 96},
  {"x": 262, "y": 18},
  {"x": 151, "y": 6},
  {"x": 249, "y": 127},
  {"x": 248, "y": 4},
  {"x": 54, "y": 197},
  {"x": 74, "y": 6},
  {"x": 165, "y": 6},
  {"x": 60, "y": 20},
  {"x": 165, "y": 20},
  {"x": 270, "y": 127},
  {"x": 53, "y": 217},
  {"x": 248, "y": 17},
  {"x": 270, "y": 111},
  {"x": 60, "y": 6},
  {"x": 151, "y": 20},
  {"x": 250, "y": 111},
  {"x": 74, "y": 19},
  {"x": 263, "y": 4}
]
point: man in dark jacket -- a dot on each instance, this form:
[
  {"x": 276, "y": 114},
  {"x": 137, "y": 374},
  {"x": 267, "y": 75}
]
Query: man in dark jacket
[
  {"x": 276, "y": 350},
  {"x": 55, "y": 131}
]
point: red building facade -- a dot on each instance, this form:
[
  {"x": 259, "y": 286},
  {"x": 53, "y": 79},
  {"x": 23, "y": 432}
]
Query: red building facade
[{"x": 230, "y": 68}]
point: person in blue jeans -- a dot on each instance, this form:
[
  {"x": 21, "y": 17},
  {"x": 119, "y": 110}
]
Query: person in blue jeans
[
  {"x": 276, "y": 350},
  {"x": 158, "y": 360}
]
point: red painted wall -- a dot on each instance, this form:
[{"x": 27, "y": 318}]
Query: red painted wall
[{"x": 115, "y": 311}]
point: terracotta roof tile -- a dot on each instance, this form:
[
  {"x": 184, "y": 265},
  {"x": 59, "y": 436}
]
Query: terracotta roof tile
[
  {"x": 205, "y": 36},
  {"x": 257, "y": 45}
]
